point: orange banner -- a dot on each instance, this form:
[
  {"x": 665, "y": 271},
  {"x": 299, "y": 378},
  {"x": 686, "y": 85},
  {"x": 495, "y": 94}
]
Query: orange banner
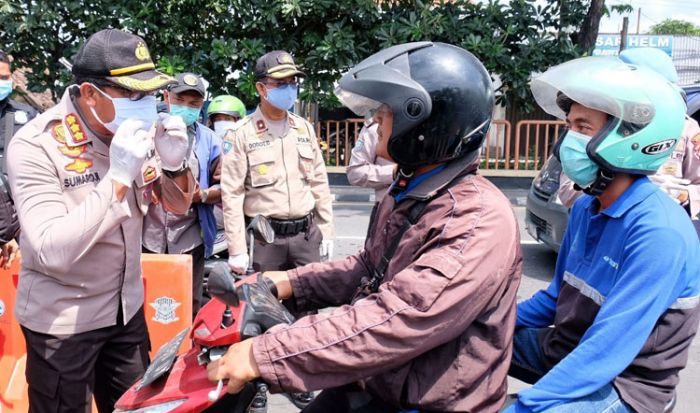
[{"x": 167, "y": 282}]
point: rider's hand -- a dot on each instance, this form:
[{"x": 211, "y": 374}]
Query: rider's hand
[
  {"x": 171, "y": 141},
  {"x": 238, "y": 366},
  {"x": 238, "y": 263}
]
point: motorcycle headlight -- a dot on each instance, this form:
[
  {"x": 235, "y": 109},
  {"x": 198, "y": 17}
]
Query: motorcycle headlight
[{"x": 156, "y": 408}]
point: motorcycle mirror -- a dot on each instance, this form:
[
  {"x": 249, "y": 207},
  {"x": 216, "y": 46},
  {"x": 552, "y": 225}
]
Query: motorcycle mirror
[
  {"x": 221, "y": 284},
  {"x": 262, "y": 229}
]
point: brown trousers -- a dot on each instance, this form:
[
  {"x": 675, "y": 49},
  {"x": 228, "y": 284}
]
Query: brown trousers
[
  {"x": 63, "y": 372},
  {"x": 288, "y": 251}
]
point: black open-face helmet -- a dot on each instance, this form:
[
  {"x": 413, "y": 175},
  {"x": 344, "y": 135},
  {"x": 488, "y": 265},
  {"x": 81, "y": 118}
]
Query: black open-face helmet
[{"x": 440, "y": 95}]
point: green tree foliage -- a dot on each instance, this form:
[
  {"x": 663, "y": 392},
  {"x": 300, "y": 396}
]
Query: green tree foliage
[
  {"x": 677, "y": 27},
  {"x": 221, "y": 39}
]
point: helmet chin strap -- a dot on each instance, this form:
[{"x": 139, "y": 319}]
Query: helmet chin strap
[
  {"x": 403, "y": 177},
  {"x": 600, "y": 184}
]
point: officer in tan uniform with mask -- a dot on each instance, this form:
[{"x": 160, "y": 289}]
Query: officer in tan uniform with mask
[
  {"x": 273, "y": 166},
  {"x": 83, "y": 175}
]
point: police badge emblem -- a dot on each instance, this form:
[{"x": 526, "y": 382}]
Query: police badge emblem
[{"x": 165, "y": 310}]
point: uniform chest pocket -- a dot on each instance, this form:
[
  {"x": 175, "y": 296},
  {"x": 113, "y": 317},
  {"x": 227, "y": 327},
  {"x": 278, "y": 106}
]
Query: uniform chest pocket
[
  {"x": 261, "y": 168},
  {"x": 306, "y": 161}
]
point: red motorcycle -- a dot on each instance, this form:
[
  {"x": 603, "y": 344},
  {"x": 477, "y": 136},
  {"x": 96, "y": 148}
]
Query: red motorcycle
[{"x": 175, "y": 383}]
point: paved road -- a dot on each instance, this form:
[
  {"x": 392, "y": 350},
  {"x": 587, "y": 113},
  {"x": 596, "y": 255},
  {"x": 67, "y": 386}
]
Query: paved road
[{"x": 352, "y": 219}]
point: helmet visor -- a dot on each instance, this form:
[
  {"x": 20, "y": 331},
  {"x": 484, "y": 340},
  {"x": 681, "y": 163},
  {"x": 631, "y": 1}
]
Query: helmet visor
[
  {"x": 360, "y": 105},
  {"x": 601, "y": 83}
]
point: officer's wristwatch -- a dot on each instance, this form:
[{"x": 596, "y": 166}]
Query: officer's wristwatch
[{"x": 180, "y": 171}]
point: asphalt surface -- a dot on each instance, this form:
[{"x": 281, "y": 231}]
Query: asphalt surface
[{"x": 351, "y": 209}]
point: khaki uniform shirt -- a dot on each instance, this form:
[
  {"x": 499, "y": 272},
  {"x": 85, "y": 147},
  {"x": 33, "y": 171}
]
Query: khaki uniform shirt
[
  {"x": 81, "y": 247},
  {"x": 281, "y": 177},
  {"x": 366, "y": 169}
]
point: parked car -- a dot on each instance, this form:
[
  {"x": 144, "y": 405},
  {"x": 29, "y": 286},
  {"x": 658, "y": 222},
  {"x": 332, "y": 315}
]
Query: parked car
[{"x": 546, "y": 217}]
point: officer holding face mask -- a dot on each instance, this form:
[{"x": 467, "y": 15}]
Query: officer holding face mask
[{"x": 83, "y": 175}]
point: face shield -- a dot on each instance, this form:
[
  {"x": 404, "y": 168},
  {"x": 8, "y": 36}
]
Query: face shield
[
  {"x": 360, "y": 105},
  {"x": 605, "y": 84}
]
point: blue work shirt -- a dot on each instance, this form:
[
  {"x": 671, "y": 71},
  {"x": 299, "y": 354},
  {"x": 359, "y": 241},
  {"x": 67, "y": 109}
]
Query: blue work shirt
[{"x": 623, "y": 302}]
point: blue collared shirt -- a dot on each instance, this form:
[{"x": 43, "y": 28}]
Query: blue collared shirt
[
  {"x": 626, "y": 266},
  {"x": 415, "y": 181}
]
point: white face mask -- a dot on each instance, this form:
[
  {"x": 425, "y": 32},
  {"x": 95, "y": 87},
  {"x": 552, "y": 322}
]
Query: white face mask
[
  {"x": 144, "y": 109},
  {"x": 223, "y": 126}
]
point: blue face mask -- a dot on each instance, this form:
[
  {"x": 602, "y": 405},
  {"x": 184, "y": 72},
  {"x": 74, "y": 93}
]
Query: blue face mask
[
  {"x": 282, "y": 97},
  {"x": 188, "y": 114},
  {"x": 5, "y": 88},
  {"x": 575, "y": 161},
  {"x": 144, "y": 109}
]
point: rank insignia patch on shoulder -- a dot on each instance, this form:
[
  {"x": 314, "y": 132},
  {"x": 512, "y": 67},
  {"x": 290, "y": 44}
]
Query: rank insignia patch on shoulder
[
  {"x": 227, "y": 146},
  {"x": 260, "y": 125},
  {"x": 75, "y": 129}
]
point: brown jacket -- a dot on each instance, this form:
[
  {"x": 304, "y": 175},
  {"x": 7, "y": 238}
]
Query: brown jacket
[
  {"x": 281, "y": 177},
  {"x": 81, "y": 247},
  {"x": 437, "y": 335}
]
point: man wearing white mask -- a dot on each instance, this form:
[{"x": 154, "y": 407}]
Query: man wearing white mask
[
  {"x": 83, "y": 175},
  {"x": 223, "y": 112}
]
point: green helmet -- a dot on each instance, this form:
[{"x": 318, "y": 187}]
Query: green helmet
[
  {"x": 647, "y": 112},
  {"x": 227, "y": 105}
]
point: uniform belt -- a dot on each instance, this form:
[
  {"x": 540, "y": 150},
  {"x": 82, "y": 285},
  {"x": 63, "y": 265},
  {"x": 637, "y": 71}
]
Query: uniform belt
[{"x": 291, "y": 226}]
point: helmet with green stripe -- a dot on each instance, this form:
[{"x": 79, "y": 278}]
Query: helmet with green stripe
[
  {"x": 227, "y": 105},
  {"x": 646, "y": 112}
]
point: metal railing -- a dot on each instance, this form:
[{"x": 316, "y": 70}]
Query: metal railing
[
  {"x": 501, "y": 151},
  {"x": 533, "y": 141},
  {"x": 337, "y": 138}
]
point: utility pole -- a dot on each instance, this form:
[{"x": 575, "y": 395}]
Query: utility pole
[
  {"x": 639, "y": 17},
  {"x": 623, "y": 34}
]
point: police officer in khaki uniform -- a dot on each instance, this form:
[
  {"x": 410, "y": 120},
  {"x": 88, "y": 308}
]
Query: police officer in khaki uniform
[
  {"x": 273, "y": 166},
  {"x": 83, "y": 175}
]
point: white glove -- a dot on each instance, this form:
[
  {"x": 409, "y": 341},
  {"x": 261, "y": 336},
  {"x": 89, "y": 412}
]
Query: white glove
[
  {"x": 673, "y": 186},
  {"x": 127, "y": 151},
  {"x": 171, "y": 141},
  {"x": 326, "y": 249},
  {"x": 238, "y": 263}
]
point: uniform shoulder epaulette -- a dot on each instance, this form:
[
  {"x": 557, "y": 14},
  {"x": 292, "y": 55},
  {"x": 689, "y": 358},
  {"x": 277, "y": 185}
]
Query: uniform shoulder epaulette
[{"x": 241, "y": 123}]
